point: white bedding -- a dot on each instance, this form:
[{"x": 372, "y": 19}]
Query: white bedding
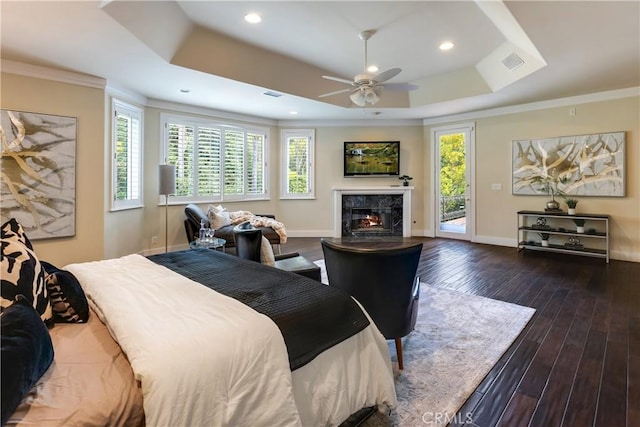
[{"x": 206, "y": 359}]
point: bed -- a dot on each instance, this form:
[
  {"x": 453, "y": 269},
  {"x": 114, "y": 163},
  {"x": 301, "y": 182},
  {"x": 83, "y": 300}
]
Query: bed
[{"x": 199, "y": 337}]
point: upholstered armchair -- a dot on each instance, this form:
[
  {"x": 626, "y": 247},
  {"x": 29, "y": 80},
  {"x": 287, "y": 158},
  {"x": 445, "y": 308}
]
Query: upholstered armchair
[
  {"x": 383, "y": 280},
  {"x": 250, "y": 245},
  {"x": 193, "y": 214}
]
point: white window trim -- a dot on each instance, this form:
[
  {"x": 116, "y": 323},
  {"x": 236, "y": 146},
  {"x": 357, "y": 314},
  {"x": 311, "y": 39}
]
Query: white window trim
[
  {"x": 285, "y": 134},
  {"x": 137, "y": 112},
  {"x": 196, "y": 121}
]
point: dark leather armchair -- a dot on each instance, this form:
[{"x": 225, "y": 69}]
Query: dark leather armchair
[
  {"x": 383, "y": 280},
  {"x": 193, "y": 215},
  {"x": 249, "y": 245}
]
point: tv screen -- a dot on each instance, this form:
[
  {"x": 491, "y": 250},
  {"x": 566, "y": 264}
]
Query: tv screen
[{"x": 372, "y": 158}]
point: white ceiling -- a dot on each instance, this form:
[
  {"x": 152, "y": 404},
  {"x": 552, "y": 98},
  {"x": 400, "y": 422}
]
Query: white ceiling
[{"x": 154, "y": 49}]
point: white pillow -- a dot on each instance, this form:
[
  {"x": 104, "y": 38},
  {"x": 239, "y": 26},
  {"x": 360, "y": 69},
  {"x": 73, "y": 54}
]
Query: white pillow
[
  {"x": 217, "y": 209},
  {"x": 218, "y": 217},
  {"x": 266, "y": 253}
]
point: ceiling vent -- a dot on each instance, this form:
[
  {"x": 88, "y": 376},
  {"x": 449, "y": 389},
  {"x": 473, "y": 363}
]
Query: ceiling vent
[
  {"x": 273, "y": 94},
  {"x": 512, "y": 61}
]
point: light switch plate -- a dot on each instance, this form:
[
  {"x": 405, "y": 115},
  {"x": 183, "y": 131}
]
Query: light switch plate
[{"x": 496, "y": 187}]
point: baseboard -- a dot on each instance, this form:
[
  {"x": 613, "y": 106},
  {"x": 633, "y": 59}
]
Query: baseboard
[{"x": 497, "y": 241}]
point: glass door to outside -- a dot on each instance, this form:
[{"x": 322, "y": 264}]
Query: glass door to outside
[{"x": 453, "y": 184}]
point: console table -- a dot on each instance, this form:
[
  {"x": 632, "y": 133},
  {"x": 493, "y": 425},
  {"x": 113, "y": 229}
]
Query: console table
[{"x": 563, "y": 232}]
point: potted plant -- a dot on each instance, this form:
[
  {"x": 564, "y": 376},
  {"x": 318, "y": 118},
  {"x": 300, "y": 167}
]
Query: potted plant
[
  {"x": 550, "y": 184},
  {"x": 545, "y": 239},
  {"x": 579, "y": 222},
  {"x": 405, "y": 179},
  {"x": 571, "y": 205}
]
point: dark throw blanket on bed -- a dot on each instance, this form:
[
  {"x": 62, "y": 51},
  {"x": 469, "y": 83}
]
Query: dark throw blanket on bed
[{"x": 311, "y": 316}]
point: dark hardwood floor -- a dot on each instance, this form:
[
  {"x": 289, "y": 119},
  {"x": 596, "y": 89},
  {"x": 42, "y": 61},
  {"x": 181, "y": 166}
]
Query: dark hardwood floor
[{"x": 577, "y": 362}]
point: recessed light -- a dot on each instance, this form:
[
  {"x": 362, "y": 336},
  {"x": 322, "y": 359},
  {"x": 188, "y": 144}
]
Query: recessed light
[
  {"x": 446, "y": 45},
  {"x": 293, "y": 113},
  {"x": 372, "y": 69},
  {"x": 185, "y": 90},
  {"x": 252, "y": 18}
]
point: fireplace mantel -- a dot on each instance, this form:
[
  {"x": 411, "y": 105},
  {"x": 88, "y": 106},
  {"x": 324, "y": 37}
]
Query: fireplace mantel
[{"x": 372, "y": 190}]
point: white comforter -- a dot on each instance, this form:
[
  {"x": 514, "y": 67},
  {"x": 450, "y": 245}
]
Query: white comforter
[{"x": 204, "y": 359}]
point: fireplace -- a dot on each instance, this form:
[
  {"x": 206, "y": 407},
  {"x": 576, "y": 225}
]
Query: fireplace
[{"x": 372, "y": 212}]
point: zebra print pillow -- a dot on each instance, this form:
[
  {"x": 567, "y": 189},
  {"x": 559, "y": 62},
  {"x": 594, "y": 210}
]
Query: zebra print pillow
[
  {"x": 68, "y": 301},
  {"x": 21, "y": 271}
]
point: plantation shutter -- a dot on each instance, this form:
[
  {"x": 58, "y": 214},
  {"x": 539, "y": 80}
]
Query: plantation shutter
[
  {"x": 180, "y": 152},
  {"x": 297, "y": 160},
  {"x": 254, "y": 156},
  {"x": 215, "y": 161},
  {"x": 209, "y": 161},
  {"x": 127, "y": 156},
  {"x": 233, "y": 162}
]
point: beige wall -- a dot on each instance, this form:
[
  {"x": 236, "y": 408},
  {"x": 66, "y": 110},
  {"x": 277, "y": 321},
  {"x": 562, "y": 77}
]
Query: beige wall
[
  {"x": 315, "y": 217},
  {"x": 87, "y": 105},
  {"x": 496, "y": 219},
  {"x": 104, "y": 234}
]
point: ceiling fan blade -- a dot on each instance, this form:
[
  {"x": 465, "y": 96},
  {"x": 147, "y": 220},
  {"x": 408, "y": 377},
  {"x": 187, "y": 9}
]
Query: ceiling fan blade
[
  {"x": 335, "y": 93},
  {"x": 338, "y": 79},
  {"x": 400, "y": 86},
  {"x": 386, "y": 75}
]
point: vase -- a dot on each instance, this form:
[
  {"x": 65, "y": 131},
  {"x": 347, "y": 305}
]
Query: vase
[
  {"x": 571, "y": 211},
  {"x": 579, "y": 229},
  {"x": 405, "y": 183},
  {"x": 553, "y": 205}
]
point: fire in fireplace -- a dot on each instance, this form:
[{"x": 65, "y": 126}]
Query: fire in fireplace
[{"x": 371, "y": 219}]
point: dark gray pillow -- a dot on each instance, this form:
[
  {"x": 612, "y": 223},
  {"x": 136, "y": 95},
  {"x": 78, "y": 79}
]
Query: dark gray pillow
[
  {"x": 68, "y": 301},
  {"x": 26, "y": 353}
]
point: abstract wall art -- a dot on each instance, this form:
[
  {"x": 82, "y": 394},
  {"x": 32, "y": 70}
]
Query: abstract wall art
[
  {"x": 582, "y": 165},
  {"x": 38, "y": 171}
]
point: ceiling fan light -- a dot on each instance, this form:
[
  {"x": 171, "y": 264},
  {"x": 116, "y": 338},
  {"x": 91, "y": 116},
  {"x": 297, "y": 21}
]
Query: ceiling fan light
[
  {"x": 358, "y": 99},
  {"x": 371, "y": 96}
]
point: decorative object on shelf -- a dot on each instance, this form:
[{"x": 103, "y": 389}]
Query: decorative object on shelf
[
  {"x": 579, "y": 222},
  {"x": 545, "y": 239},
  {"x": 541, "y": 224},
  {"x": 571, "y": 205},
  {"x": 574, "y": 243},
  {"x": 594, "y": 165},
  {"x": 551, "y": 184},
  {"x": 405, "y": 179}
]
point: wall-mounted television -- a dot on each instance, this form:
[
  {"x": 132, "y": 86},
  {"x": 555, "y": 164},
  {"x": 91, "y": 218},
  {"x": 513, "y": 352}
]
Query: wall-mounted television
[{"x": 371, "y": 158}]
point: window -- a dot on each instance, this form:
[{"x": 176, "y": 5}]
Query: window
[
  {"x": 215, "y": 161},
  {"x": 297, "y": 164},
  {"x": 127, "y": 156}
]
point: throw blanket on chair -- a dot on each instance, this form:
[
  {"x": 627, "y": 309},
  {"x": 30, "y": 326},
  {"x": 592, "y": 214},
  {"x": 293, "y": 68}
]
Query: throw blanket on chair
[{"x": 259, "y": 221}]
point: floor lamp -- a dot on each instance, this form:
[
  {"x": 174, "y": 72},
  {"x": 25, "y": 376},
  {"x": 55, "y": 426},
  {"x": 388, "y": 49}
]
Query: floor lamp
[{"x": 167, "y": 186}]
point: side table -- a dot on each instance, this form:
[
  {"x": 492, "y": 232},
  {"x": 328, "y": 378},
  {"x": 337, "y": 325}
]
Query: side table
[{"x": 214, "y": 243}]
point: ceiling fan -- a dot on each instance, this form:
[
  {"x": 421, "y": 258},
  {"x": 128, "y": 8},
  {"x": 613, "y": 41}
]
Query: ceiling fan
[{"x": 367, "y": 87}]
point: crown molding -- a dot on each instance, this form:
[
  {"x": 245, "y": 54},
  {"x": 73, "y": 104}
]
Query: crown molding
[
  {"x": 351, "y": 123},
  {"x": 46, "y": 73},
  {"x": 522, "y": 108},
  {"x": 184, "y": 108}
]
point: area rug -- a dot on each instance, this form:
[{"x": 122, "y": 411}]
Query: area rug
[{"x": 457, "y": 340}]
